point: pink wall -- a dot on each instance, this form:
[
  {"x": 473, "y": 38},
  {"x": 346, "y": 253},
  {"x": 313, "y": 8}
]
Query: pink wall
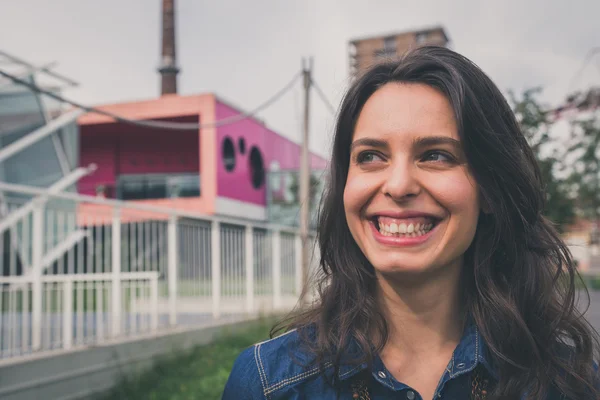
[
  {"x": 102, "y": 140},
  {"x": 172, "y": 107},
  {"x": 273, "y": 147},
  {"x": 119, "y": 149}
]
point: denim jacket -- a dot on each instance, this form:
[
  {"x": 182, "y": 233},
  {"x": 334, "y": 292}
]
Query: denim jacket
[{"x": 277, "y": 369}]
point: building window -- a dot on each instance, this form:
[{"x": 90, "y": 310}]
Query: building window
[
  {"x": 421, "y": 37},
  {"x": 156, "y": 186},
  {"x": 142, "y": 188},
  {"x": 228, "y": 154},
  {"x": 257, "y": 168},
  {"x": 275, "y": 176},
  {"x": 389, "y": 49},
  {"x": 242, "y": 145},
  {"x": 389, "y": 44}
]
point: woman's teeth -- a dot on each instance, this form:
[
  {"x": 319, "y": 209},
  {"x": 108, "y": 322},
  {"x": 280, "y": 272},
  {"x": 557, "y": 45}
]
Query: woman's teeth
[{"x": 404, "y": 230}]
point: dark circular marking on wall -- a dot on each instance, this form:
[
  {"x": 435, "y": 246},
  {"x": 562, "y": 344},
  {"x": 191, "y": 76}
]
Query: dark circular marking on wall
[
  {"x": 228, "y": 153},
  {"x": 257, "y": 168}
]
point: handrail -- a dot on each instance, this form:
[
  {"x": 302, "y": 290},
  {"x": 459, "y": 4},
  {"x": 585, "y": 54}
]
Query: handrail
[
  {"x": 35, "y": 191},
  {"x": 39, "y": 134}
]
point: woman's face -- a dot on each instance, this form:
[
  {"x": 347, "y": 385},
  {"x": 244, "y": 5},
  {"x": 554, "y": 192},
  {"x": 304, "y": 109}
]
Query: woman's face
[{"x": 410, "y": 201}]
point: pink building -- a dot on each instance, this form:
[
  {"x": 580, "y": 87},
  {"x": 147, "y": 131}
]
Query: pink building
[{"x": 215, "y": 170}]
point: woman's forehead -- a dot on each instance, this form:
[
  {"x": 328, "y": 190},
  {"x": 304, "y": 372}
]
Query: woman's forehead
[{"x": 400, "y": 110}]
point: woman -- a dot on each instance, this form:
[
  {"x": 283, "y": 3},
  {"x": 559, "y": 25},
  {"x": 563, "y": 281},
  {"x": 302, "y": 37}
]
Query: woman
[{"x": 441, "y": 278}]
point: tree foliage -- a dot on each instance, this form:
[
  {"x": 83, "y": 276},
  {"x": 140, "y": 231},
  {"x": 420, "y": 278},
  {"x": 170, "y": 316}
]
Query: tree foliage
[
  {"x": 550, "y": 155},
  {"x": 584, "y": 149}
]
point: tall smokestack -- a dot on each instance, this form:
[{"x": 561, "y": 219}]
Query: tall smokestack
[{"x": 168, "y": 67}]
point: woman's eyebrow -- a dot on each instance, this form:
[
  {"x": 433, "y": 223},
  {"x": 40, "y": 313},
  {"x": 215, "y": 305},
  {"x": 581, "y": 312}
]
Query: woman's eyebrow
[
  {"x": 369, "y": 142},
  {"x": 427, "y": 141}
]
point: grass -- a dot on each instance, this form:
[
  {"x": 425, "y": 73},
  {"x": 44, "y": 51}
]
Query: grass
[
  {"x": 591, "y": 282},
  {"x": 198, "y": 374}
]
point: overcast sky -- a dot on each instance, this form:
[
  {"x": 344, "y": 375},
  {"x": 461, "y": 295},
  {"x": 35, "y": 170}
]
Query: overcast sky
[{"x": 245, "y": 50}]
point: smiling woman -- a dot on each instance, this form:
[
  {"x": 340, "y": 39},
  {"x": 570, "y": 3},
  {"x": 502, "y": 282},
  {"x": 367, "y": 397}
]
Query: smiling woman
[
  {"x": 408, "y": 187},
  {"x": 440, "y": 278}
]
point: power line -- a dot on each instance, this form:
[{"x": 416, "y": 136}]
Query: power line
[
  {"x": 323, "y": 97},
  {"x": 47, "y": 69},
  {"x": 151, "y": 123}
]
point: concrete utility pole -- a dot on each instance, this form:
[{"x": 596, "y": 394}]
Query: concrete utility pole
[
  {"x": 305, "y": 178},
  {"x": 168, "y": 67}
]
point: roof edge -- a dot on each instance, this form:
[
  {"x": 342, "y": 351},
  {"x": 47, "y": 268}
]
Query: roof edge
[{"x": 398, "y": 33}]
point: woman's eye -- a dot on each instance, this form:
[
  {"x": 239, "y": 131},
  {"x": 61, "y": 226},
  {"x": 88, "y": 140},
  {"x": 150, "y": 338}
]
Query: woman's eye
[
  {"x": 367, "y": 157},
  {"x": 437, "y": 156}
]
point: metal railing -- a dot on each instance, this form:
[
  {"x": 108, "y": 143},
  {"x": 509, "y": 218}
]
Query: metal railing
[{"x": 79, "y": 270}]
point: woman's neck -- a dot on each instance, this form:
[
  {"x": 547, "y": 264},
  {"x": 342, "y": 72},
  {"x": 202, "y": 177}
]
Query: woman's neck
[{"x": 423, "y": 315}]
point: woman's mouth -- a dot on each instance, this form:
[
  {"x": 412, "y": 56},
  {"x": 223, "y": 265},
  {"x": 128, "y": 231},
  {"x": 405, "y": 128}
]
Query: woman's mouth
[
  {"x": 403, "y": 230},
  {"x": 405, "y": 227}
]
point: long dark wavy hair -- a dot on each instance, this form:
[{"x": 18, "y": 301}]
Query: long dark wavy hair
[{"x": 518, "y": 277}]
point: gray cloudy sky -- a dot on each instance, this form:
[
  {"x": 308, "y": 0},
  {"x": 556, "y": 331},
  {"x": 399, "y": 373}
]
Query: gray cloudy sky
[{"x": 245, "y": 50}]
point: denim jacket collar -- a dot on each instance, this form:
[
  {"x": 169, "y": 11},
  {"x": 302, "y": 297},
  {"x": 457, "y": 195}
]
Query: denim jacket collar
[{"x": 470, "y": 352}]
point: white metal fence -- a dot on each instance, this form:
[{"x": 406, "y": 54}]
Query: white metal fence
[{"x": 79, "y": 270}]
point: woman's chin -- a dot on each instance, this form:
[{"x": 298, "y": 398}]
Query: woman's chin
[{"x": 386, "y": 268}]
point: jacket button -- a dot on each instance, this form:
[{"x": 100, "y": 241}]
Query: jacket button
[
  {"x": 410, "y": 395},
  {"x": 381, "y": 374}
]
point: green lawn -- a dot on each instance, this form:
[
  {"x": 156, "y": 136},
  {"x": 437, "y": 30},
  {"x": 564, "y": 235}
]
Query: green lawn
[{"x": 199, "y": 374}]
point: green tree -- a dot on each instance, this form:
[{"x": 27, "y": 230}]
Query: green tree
[
  {"x": 535, "y": 124},
  {"x": 584, "y": 148}
]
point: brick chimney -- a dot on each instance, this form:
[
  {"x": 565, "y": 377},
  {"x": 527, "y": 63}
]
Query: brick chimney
[{"x": 168, "y": 66}]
